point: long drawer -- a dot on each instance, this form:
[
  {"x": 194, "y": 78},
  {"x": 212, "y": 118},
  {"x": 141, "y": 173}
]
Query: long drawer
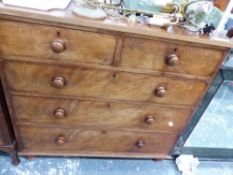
[
  {"x": 106, "y": 84},
  {"x": 89, "y": 114},
  {"x": 170, "y": 57},
  {"x": 94, "y": 141},
  {"x": 54, "y": 43}
]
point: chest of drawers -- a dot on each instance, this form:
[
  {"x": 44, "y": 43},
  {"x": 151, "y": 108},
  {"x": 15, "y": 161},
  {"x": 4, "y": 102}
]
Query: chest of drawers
[{"x": 83, "y": 88}]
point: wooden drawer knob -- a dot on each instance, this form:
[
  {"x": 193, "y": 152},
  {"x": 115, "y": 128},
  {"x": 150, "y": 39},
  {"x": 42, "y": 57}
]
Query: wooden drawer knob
[
  {"x": 149, "y": 120},
  {"x": 59, "y": 82},
  {"x": 140, "y": 144},
  {"x": 60, "y": 140},
  {"x": 160, "y": 91},
  {"x": 172, "y": 60},
  {"x": 58, "y": 46},
  {"x": 59, "y": 113}
]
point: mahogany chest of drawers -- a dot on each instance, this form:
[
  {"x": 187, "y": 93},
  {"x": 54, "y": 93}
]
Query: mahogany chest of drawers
[{"x": 83, "y": 88}]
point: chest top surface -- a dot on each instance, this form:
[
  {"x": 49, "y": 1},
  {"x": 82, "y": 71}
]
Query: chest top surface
[{"x": 68, "y": 19}]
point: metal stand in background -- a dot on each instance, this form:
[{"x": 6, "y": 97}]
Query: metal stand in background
[
  {"x": 226, "y": 73},
  {"x": 120, "y": 12}
]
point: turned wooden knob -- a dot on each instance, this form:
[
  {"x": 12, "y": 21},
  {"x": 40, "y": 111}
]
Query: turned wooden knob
[
  {"x": 59, "y": 113},
  {"x": 149, "y": 119},
  {"x": 60, "y": 140},
  {"x": 160, "y": 91},
  {"x": 59, "y": 82},
  {"x": 58, "y": 46},
  {"x": 140, "y": 144},
  {"x": 172, "y": 60}
]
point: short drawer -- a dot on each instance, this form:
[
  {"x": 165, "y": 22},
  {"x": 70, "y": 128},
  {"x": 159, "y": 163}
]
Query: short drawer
[
  {"x": 89, "y": 114},
  {"x": 105, "y": 84},
  {"x": 53, "y": 43},
  {"x": 95, "y": 141},
  {"x": 169, "y": 57}
]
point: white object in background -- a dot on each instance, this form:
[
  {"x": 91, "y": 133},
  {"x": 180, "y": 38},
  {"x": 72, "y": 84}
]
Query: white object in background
[
  {"x": 161, "y": 21},
  {"x": 39, "y": 4},
  {"x": 162, "y": 3},
  {"x": 132, "y": 18},
  {"x": 90, "y": 13},
  {"x": 115, "y": 2},
  {"x": 186, "y": 164}
]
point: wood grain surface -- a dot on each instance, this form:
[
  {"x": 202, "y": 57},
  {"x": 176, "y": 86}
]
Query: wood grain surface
[
  {"x": 32, "y": 40},
  {"x": 83, "y": 87},
  {"x": 152, "y": 55},
  {"x": 89, "y": 114},
  {"x": 83, "y": 82},
  {"x": 95, "y": 141}
]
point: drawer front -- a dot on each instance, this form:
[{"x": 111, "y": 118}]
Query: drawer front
[
  {"x": 94, "y": 141},
  {"x": 168, "y": 57},
  {"x": 82, "y": 82},
  {"x": 52, "y": 43},
  {"x": 74, "y": 113}
]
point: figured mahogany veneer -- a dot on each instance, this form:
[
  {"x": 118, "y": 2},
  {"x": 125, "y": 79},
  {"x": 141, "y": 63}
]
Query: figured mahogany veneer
[
  {"x": 81, "y": 87},
  {"x": 59, "y": 44},
  {"x": 170, "y": 57},
  {"x": 79, "y": 82},
  {"x": 46, "y": 42},
  {"x": 79, "y": 113},
  {"x": 58, "y": 140}
]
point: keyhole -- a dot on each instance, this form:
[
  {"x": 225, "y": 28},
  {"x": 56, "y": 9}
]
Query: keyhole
[
  {"x": 58, "y": 34},
  {"x": 114, "y": 75}
]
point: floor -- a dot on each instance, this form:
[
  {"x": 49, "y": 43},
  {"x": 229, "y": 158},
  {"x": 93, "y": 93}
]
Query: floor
[
  {"x": 77, "y": 166},
  {"x": 219, "y": 116}
]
